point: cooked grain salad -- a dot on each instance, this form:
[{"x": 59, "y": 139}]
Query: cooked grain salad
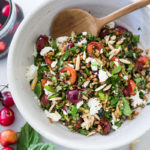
[{"x": 91, "y": 84}]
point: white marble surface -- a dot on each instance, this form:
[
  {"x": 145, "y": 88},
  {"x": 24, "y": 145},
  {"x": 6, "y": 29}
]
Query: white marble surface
[{"x": 28, "y": 6}]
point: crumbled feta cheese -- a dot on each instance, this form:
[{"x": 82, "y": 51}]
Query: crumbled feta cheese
[
  {"x": 125, "y": 77},
  {"x": 34, "y": 51},
  {"x": 94, "y": 105},
  {"x": 54, "y": 116},
  {"x": 45, "y": 50},
  {"x": 79, "y": 104},
  {"x": 54, "y": 63},
  {"x": 48, "y": 93},
  {"x": 89, "y": 59},
  {"x": 61, "y": 39},
  {"x": 84, "y": 41},
  {"x": 113, "y": 37},
  {"x": 111, "y": 25},
  {"x": 84, "y": 33},
  {"x": 107, "y": 38},
  {"x": 101, "y": 51},
  {"x": 94, "y": 65},
  {"x": 137, "y": 100},
  {"x": 64, "y": 112},
  {"x": 102, "y": 75},
  {"x": 31, "y": 72}
]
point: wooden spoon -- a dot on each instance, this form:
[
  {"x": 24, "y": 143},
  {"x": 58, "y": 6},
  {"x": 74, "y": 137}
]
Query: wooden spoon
[{"x": 78, "y": 20}]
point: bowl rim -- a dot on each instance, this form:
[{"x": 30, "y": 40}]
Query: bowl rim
[{"x": 52, "y": 137}]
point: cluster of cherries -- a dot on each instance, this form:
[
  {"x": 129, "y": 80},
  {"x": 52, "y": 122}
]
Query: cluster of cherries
[{"x": 7, "y": 117}]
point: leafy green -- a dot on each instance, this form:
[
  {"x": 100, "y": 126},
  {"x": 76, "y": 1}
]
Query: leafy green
[
  {"x": 40, "y": 71},
  {"x": 49, "y": 88},
  {"x": 136, "y": 38},
  {"x": 141, "y": 94},
  {"x": 54, "y": 95},
  {"x": 38, "y": 90},
  {"x": 113, "y": 101},
  {"x": 101, "y": 95},
  {"x": 58, "y": 88},
  {"x": 42, "y": 146},
  {"x": 54, "y": 79},
  {"x": 73, "y": 112},
  {"x": 129, "y": 53},
  {"x": 38, "y": 59},
  {"x": 82, "y": 131},
  {"x": 87, "y": 71},
  {"x": 116, "y": 69},
  {"x": 127, "y": 110},
  {"x": 111, "y": 64},
  {"x": 27, "y": 137},
  {"x": 54, "y": 45}
]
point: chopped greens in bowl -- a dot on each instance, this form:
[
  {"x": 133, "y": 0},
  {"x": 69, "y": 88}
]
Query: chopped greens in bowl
[{"x": 90, "y": 84}]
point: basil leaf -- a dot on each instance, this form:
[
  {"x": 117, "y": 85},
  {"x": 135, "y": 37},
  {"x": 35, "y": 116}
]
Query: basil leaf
[
  {"x": 38, "y": 90},
  {"x": 42, "y": 146},
  {"x": 27, "y": 137},
  {"x": 116, "y": 69},
  {"x": 49, "y": 88},
  {"x": 127, "y": 110}
]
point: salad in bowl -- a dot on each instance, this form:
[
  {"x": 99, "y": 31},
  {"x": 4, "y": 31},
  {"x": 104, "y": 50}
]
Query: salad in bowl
[{"x": 91, "y": 84}]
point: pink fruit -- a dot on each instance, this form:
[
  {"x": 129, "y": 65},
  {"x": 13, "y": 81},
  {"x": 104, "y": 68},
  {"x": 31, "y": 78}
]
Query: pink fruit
[
  {"x": 7, "y": 99},
  {"x": 44, "y": 100},
  {"x": 8, "y": 137},
  {"x": 105, "y": 126},
  {"x": 1, "y": 26},
  {"x": 6, "y": 10},
  {"x": 121, "y": 30},
  {"x": 7, "y": 116},
  {"x": 70, "y": 45},
  {"x": 7, "y": 148},
  {"x": 2, "y": 46}
]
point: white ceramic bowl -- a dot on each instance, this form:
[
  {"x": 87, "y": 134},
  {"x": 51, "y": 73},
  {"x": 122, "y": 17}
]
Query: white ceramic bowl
[{"x": 20, "y": 56}]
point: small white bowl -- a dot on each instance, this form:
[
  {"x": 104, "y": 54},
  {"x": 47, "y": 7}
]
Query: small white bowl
[{"x": 20, "y": 56}]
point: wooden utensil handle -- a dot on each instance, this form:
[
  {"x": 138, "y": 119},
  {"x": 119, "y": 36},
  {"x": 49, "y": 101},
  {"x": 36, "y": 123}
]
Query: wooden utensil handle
[{"x": 121, "y": 12}]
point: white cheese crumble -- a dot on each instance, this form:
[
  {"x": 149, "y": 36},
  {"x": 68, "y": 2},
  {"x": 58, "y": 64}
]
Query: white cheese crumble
[
  {"x": 84, "y": 33},
  {"x": 107, "y": 38},
  {"x": 48, "y": 93},
  {"x": 61, "y": 39},
  {"x": 111, "y": 25},
  {"x": 89, "y": 59},
  {"x": 125, "y": 77},
  {"x": 84, "y": 41},
  {"x": 54, "y": 63},
  {"x": 137, "y": 100},
  {"x": 54, "y": 116},
  {"x": 52, "y": 72},
  {"x": 79, "y": 104},
  {"x": 31, "y": 72},
  {"x": 64, "y": 112},
  {"x": 102, "y": 75},
  {"x": 101, "y": 51},
  {"x": 94, "y": 65},
  {"x": 94, "y": 105},
  {"x": 45, "y": 50}
]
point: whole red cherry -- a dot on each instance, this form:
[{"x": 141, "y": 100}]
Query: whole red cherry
[
  {"x": 7, "y": 148},
  {"x": 6, "y": 10},
  {"x": 7, "y": 116},
  {"x": 7, "y": 99}
]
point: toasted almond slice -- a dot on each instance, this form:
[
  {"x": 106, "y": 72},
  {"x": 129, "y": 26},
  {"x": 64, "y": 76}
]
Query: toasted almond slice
[
  {"x": 91, "y": 133},
  {"x": 133, "y": 143},
  {"x": 55, "y": 98},
  {"x": 107, "y": 87},
  {"x": 113, "y": 37},
  {"x": 114, "y": 52},
  {"x": 96, "y": 116},
  {"x": 110, "y": 46},
  {"x": 125, "y": 61},
  {"x": 99, "y": 61},
  {"x": 51, "y": 108},
  {"x": 108, "y": 73},
  {"x": 33, "y": 84},
  {"x": 100, "y": 88},
  {"x": 85, "y": 84},
  {"x": 77, "y": 63},
  {"x": 84, "y": 97},
  {"x": 119, "y": 42},
  {"x": 111, "y": 42},
  {"x": 107, "y": 38},
  {"x": 84, "y": 55}
]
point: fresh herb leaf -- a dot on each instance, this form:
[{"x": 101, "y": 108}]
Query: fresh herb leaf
[
  {"x": 116, "y": 69},
  {"x": 38, "y": 90},
  {"x": 136, "y": 38},
  {"x": 101, "y": 95},
  {"x": 127, "y": 110},
  {"x": 87, "y": 71},
  {"x": 58, "y": 88},
  {"x": 113, "y": 101},
  {"x": 54, "y": 79},
  {"x": 73, "y": 112},
  {"x": 141, "y": 94},
  {"x": 82, "y": 131},
  {"x": 42, "y": 146},
  {"x": 111, "y": 64},
  {"x": 54, "y": 45},
  {"x": 49, "y": 88},
  {"x": 54, "y": 95},
  {"x": 27, "y": 137}
]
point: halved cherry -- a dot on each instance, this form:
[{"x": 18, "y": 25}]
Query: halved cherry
[
  {"x": 48, "y": 60},
  {"x": 105, "y": 126},
  {"x": 129, "y": 90},
  {"x": 41, "y": 42},
  {"x": 121, "y": 30},
  {"x": 43, "y": 81},
  {"x": 73, "y": 74},
  {"x": 94, "y": 46},
  {"x": 116, "y": 61},
  {"x": 143, "y": 60}
]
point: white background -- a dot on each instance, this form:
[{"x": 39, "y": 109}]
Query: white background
[{"x": 28, "y": 6}]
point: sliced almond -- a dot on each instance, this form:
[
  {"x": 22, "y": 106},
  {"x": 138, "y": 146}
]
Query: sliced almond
[
  {"x": 100, "y": 88},
  {"x": 111, "y": 42},
  {"x": 110, "y": 46},
  {"x": 84, "y": 55},
  {"x": 85, "y": 84},
  {"x": 91, "y": 133},
  {"x": 84, "y": 97},
  {"x": 125, "y": 61},
  {"x": 96, "y": 116},
  {"x": 107, "y": 87},
  {"x": 33, "y": 84},
  {"x": 114, "y": 52},
  {"x": 106, "y": 38},
  {"x": 113, "y": 37},
  {"x": 119, "y": 42},
  {"x": 55, "y": 98},
  {"x": 108, "y": 74},
  {"x": 77, "y": 63}
]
